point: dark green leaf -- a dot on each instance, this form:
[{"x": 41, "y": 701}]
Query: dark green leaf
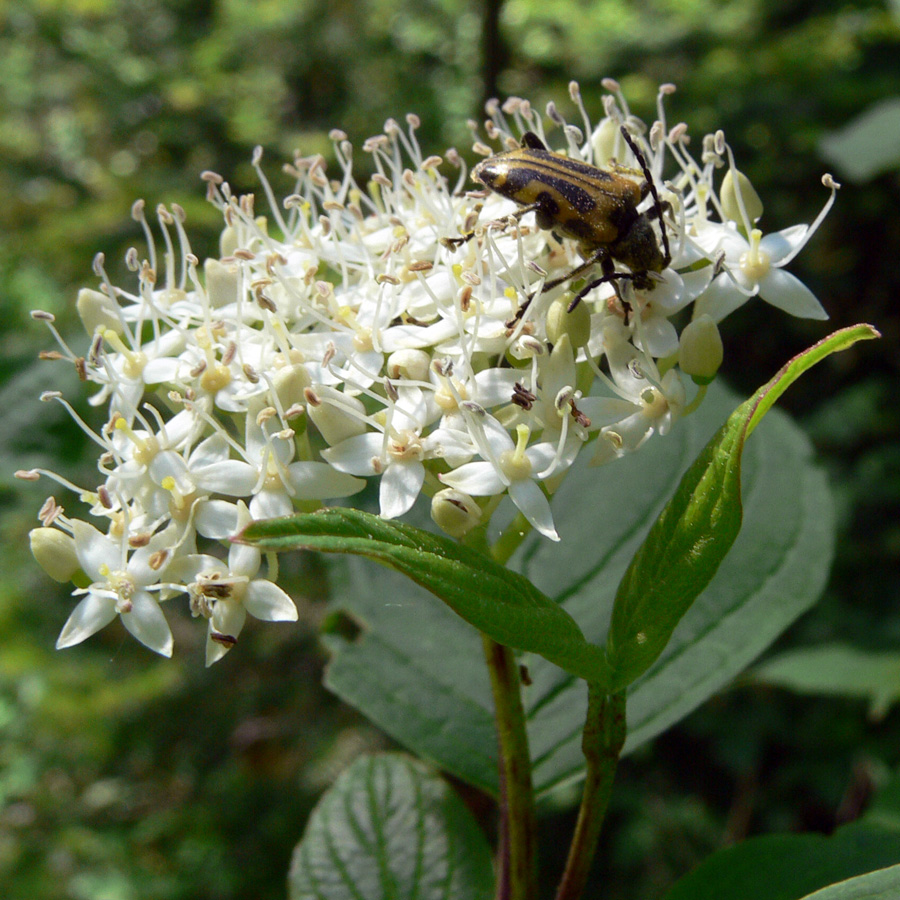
[
  {"x": 389, "y": 827},
  {"x": 489, "y": 596},
  {"x": 790, "y": 866}
]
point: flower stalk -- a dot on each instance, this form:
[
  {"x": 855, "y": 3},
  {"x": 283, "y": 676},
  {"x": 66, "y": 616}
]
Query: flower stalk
[
  {"x": 602, "y": 742},
  {"x": 517, "y": 864}
]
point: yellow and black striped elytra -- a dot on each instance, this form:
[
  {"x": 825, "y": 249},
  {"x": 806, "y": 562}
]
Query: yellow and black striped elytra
[{"x": 596, "y": 207}]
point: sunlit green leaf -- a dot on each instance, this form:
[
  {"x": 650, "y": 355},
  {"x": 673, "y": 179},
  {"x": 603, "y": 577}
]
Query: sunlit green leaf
[{"x": 501, "y": 603}]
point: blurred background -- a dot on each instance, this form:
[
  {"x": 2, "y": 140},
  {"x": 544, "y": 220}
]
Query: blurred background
[{"x": 124, "y": 776}]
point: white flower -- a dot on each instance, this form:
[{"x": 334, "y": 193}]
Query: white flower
[
  {"x": 755, "y": 267},
  {"x": 223, "y": 593},
  {"x": 508, "y": 466},
  {"x": 122, "y": 582}
]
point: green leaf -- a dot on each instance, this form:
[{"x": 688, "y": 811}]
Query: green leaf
[
  {"x": 418, "y": 672},
  {"x": 389, "y": 827},
  {"x": 680, "y": 555},
  {"x": 837, "y": 670},
  {"x": 881, "y": 885},
  {"x": 790, "y": 866},
  {"x": 868, "y": 144},
  {"x": 696, "y": 529},
  {"x": 884, "y": 811},
  {"x": 489, "y": 596}
]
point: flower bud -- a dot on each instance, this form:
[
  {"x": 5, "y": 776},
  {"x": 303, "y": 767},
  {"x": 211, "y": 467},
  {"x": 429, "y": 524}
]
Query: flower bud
[
  {"x": 290, "y": 383},
  {"x": 412, "y": 365},
  {"x": 97, "y": 310},
  {"x": 454, "y": 512},
  {"x": 331, "y": 411},
  {"x": 576, "y": 324},
  {"x": 54, "y": 551},
  {"x": 733, "y": 182},
  {"x": 221, "y": 283},
  {"x": 604, "y": 140},
  {"x": 228, "y": 241},
  {"x": 700, "y": 352}
]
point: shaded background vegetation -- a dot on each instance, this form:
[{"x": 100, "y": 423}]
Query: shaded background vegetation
[{"x": 125, "y": 776}]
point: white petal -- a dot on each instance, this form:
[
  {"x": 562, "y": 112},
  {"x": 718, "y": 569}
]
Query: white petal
[
  {"x": 494, "y": 386},
  {"x": 164, "y": 370},
  {"x": 231, "y": 477},
  {"x": 670, "y": 293},
  {"x": 720, "y": 299},
  {"x": 356, "y": 454},
  {"x": 179, "y": 427},
  {"x": 186, "y": 568},
  {"x": 606, "y": 410},
  {"x": 400, "y": 485},
  {"x": 169, "y": 464},
  {"x": 480, "y": 479},
  {"x": 269, "y": 602},
  {"x": 541, "y": 455},
  {"x": 228, "y": 617},
  {"x": 534, "y": 506},
  {"x": 95, "y": 550},
  {"x": 781, "y": 289},
  {"x": 787, "y": 242},
  {"x": 148, "y": 624},
  {"x": 212, "y": 450},
  {"x": 271, "y": 504},
  {"x": 319, "y": 481},
  {"x": 410, "y": 410},
  {"x": 658, "y": 337},
  {"x": 449, "y": 444},
  {"x": 216, "y": 519},
  {"x": 93, "y": 613},
  {"x": 497, "y": 436},
  {"x": 244, "y": 560}
]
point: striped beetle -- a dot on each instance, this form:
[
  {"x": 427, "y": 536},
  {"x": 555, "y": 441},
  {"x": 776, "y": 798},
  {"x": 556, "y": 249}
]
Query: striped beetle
[{"x": 595, "y": 207}]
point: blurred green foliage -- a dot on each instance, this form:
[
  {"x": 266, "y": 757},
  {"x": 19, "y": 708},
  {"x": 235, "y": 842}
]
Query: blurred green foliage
[{"x": 123, "y": 776}]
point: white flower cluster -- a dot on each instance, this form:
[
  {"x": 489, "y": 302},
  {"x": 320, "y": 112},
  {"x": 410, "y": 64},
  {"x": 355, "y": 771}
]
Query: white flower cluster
[{"x": 363, "y": 342}]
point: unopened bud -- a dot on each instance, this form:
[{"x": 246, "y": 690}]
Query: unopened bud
[
  {"x": 454, "y": 512},
  {"x": 700, "y": 353},
  {"x": 332, "y": 412},
  {"x": 228, "y": 241},
  {"x": 604, "y": 141},
  {"x": 54, "y": 551},
  {"x": 575, "y": 324},
  {"x": 408, "y": 364},
  {"x": 733, "y": 182},
  {"x": 289, "y": 384},
  {"x": 97, "y": 310},
  {"x": 221, "y": 283}
]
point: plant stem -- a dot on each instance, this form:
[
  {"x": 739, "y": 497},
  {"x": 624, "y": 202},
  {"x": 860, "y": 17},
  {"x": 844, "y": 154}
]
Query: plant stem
[
  {"x": 509, "y": 540},
  {"x": 602, "y": 741},
  {"x": 517, "y": 878}
]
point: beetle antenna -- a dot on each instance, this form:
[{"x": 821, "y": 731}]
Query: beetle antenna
[{"x": 639, "y": 156}]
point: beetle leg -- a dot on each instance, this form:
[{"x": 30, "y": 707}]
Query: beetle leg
[
  {"x": 650, "y": 186},
  {"x": 609, "y": 275},
  {"x": 455, "y": 242},
  {"x": 600, "y": 255}
]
